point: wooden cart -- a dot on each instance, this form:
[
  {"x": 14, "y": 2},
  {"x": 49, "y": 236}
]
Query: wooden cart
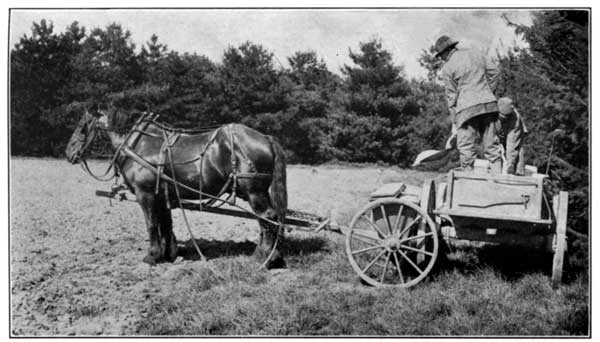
[{"x": 395, "y": 239}]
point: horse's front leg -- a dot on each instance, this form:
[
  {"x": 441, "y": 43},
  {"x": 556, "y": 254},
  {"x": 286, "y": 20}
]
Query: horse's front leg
[{"x": 163, "y": 244}]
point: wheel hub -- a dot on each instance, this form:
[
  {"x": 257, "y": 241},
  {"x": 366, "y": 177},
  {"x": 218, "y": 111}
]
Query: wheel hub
[{"x": 391, "y": 244}]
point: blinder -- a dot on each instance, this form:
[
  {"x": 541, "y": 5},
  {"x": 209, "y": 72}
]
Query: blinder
[{"x": 82, "y": 137}]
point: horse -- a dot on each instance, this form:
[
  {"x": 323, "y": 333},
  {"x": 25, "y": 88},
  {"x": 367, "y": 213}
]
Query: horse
[{"x": 233, "y": 159}]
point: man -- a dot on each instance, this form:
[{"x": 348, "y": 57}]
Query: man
[
  {"x": 470, "y": 83},
  {"x": 511, "y": 131}
]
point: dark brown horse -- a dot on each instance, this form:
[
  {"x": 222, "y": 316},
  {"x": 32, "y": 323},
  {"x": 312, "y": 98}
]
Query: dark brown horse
[{"x": 204, "y": 162}]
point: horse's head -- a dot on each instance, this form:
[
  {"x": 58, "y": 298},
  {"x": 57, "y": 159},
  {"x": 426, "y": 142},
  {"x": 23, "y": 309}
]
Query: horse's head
[{"x": 84, "y": 133}]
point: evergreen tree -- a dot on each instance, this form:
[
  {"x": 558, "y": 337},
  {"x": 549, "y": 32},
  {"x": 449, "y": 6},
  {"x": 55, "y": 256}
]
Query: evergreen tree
[
  {"x": 40, "y": 86},
  {"x": 376, "y": 86},
  {"x": 107, "y": 63},
  {"x": 152, "y": 61},
  {"x": 250, "y": 83}
]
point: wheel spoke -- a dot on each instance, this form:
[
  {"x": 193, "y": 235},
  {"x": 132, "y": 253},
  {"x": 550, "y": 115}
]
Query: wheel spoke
[
  {"x": 373, "y": 262},
  {"x": 398, "y": 219},
  {"x": 410, "y": 262},
  {"x": 387, "y": 219},
  {"x": 374, "y": 226},
  {"x": 366, "y": 249},
  {"x": 416, "y": 250},
  {"x": 415, "y": 220},
  {"x": 366, "y": 238},
  {"x": 387, "y": 261},
  {"x": 416, "y": 237},
  {"x": 398, "y": 267}
]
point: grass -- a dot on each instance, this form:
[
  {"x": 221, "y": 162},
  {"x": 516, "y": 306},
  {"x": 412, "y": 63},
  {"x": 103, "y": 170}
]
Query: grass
[
  {"x": 320, "y": 295},
  {"x": 76, "y": 270}
]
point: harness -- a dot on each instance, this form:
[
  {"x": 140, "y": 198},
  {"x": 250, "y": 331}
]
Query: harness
[
  {"x": 170, "y": 136},
  {"x": 133, "y": 134}
]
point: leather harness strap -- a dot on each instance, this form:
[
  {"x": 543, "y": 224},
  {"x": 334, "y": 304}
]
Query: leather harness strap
[
  {"x": 233, "y": 174},
  {"x": 170, "y": 138},
  {"x": 201, "y": 168},
  {"x": 113, "y": 162}
]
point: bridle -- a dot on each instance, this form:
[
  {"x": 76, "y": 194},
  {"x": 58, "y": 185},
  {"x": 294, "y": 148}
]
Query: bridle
[{"x": 92, "y": 130}]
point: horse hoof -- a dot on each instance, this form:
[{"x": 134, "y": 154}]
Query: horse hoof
[
  {"x": 172, "y": 255},
  {"x": 276, "y": 260},
  {"x": 150, "y": 260},
  {"x": 275, "y": 264}
]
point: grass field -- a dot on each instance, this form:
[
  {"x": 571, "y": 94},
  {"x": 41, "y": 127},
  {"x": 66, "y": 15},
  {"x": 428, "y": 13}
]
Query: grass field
[{"x": 76, "y": 269}]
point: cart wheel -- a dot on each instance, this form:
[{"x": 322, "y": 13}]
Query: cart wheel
[
  {"x": 560, "y": 206},
  {"x": 388, "y": 245}
]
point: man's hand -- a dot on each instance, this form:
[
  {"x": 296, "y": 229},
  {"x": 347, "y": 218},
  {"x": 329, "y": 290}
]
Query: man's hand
[{"x": 451, "y": 142}]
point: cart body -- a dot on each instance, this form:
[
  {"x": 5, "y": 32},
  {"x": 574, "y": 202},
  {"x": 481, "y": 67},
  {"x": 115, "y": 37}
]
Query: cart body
[
  {"x": 470, "y": 205},
  {"x": 496, "y": 208}
]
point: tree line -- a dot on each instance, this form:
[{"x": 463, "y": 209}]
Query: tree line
[{"x": 369, "y": 112}]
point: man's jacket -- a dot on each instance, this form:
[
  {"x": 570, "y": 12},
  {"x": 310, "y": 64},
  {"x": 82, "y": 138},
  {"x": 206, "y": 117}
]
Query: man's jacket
[{"x": 470, "y": 82}]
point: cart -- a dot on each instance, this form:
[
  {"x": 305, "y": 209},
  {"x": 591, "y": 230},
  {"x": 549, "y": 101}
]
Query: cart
[{"x": 395, "y": 239}]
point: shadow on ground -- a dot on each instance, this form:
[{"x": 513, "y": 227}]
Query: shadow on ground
[
  {"x": 215, "y": 249},
  {"x": 512, "y": 262}
]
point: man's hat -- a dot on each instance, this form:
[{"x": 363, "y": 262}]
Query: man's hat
[
  {"x": 442, "y": 44},
  {"x": 505, "y": 106}
]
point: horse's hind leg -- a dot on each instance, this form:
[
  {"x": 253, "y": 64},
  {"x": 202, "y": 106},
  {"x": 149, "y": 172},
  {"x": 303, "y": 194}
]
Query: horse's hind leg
[{"x": 268, "y": 250}]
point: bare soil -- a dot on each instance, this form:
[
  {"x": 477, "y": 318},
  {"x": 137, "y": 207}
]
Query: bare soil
[{"x": 76, "y": 261}]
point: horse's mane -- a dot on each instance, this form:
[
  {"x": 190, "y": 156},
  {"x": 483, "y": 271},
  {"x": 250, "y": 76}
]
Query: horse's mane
[{"x": 120, "y": 120}]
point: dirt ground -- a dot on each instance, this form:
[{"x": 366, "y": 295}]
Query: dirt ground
[{"x": 75, "y": 260}]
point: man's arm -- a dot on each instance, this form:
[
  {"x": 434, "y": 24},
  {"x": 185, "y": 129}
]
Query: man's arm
[
  {"x": 492, "y": 72},
  {"x": 451, "y": 89}
]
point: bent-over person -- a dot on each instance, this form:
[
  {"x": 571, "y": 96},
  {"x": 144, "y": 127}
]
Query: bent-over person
[{"x": 511, "y": 131}]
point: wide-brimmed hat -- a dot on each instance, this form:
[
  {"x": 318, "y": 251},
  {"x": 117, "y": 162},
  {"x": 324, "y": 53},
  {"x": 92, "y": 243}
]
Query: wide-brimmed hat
[{"x": 442, "y": 44}]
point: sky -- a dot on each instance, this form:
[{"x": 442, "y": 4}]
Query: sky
[{"x": 330, "y": 33}]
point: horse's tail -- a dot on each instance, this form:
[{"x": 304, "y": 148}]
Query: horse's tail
[{"x": 278, "y": 188}]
